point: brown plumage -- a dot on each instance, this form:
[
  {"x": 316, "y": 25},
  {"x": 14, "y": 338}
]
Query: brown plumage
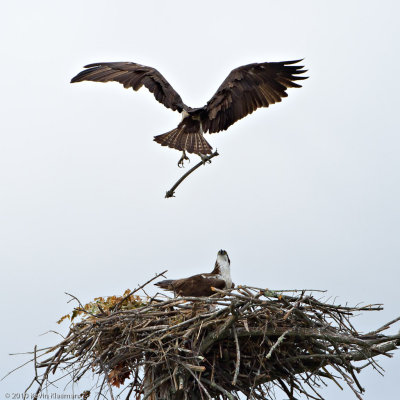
[
  {"x": 194, "y": 286},
  {"x": 201, "y": 284},
  {"x": 243, "y": 91}
]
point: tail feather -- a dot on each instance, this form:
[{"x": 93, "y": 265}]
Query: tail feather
[{"x": 192, "y": 142}]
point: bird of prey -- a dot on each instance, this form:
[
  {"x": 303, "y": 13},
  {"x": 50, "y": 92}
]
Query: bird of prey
[
  {"x": 244, "y": 90},
  {"x": 201, "y": 284}
]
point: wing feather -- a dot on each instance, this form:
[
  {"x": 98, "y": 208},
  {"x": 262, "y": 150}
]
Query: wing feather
[
  {"x": 132, "y": 75},
  {"x": 197, "y": 285},
  {"x": 247, "y": 88}
]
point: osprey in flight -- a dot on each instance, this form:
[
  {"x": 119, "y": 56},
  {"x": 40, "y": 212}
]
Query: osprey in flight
[
  {"x": 200, "y": 285},
  {"x": 243, "y": 91}
]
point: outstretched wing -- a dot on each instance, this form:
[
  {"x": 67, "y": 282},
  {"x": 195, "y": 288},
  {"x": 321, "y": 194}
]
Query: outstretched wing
[
  {"x": 247, "y": 88},
  {"x": 133, "y": 76}
]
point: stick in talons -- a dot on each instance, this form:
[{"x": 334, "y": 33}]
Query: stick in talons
[{"x": 171, "y": 192}]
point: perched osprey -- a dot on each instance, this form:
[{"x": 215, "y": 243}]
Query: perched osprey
[
  {"x": 243, "y": 91},
  {"x": 200, "y": 285}
]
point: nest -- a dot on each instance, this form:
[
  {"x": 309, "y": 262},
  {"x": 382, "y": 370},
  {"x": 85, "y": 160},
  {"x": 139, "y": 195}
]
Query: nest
[{"x": 246, "y": 340}]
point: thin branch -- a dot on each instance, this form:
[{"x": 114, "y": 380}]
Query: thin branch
[
  {"x": 214, "y": 336},
  {"x": 171, "y": 192},
  {"x": 382, "y": 328},
  {"x": 276, "y": 344},
  {"x": 198, "y": 381},
  {"x": 155, "y": 386},
  {"x": 237, "y": 357},
  {"x": 36, "y": 377},
  {"x": 136, "y": 290},
  {"x": 219, "y": 388}
]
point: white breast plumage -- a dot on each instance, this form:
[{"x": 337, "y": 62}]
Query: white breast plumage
[{"x": 225, "y": 270}]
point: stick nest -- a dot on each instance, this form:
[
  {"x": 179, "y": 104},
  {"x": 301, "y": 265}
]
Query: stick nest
[{"x": 246, "y": 340}]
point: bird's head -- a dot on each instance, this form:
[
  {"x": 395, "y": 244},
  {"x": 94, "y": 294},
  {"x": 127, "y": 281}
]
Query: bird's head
[{"x": 223, "y": 258}]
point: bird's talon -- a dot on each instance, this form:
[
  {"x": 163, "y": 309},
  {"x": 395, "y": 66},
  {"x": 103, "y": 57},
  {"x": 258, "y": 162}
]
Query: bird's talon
[
  {"x": 205, "y": 159},
  {"x": 182, "y": 160}
]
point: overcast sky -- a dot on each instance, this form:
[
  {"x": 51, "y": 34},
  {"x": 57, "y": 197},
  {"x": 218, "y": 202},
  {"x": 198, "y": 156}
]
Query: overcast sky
[{"x": 303, "y": 194}]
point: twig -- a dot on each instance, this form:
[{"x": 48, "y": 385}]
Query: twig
[
  {"x": 237, "y": 357},
  {"x": 36, "y": 378},
  {"x": 218, "y": 387},
  {"x": 214, "y": 336},
  {"x": 136, "y": 290},
  {"x": 105, "y": 372},
  {"x": 171, "y": 192},
  {"x": 298, "y": 290},
  {"x": 198, "y": 381},
  {"x": 81, "y": 308},
  {"x": 156, "y": 385},
  {"x": 276, "y": 344},
  {"x": 383, "y": 327}
]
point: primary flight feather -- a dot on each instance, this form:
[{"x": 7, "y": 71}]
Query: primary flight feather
[{"x": 244, "y": 90}]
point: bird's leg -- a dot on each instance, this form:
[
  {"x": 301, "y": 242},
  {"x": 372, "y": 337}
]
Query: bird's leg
[{"x": 182, "y": 159}]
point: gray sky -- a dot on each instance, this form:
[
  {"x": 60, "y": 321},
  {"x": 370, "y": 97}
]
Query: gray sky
[{"x": 303, "y": 194}]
